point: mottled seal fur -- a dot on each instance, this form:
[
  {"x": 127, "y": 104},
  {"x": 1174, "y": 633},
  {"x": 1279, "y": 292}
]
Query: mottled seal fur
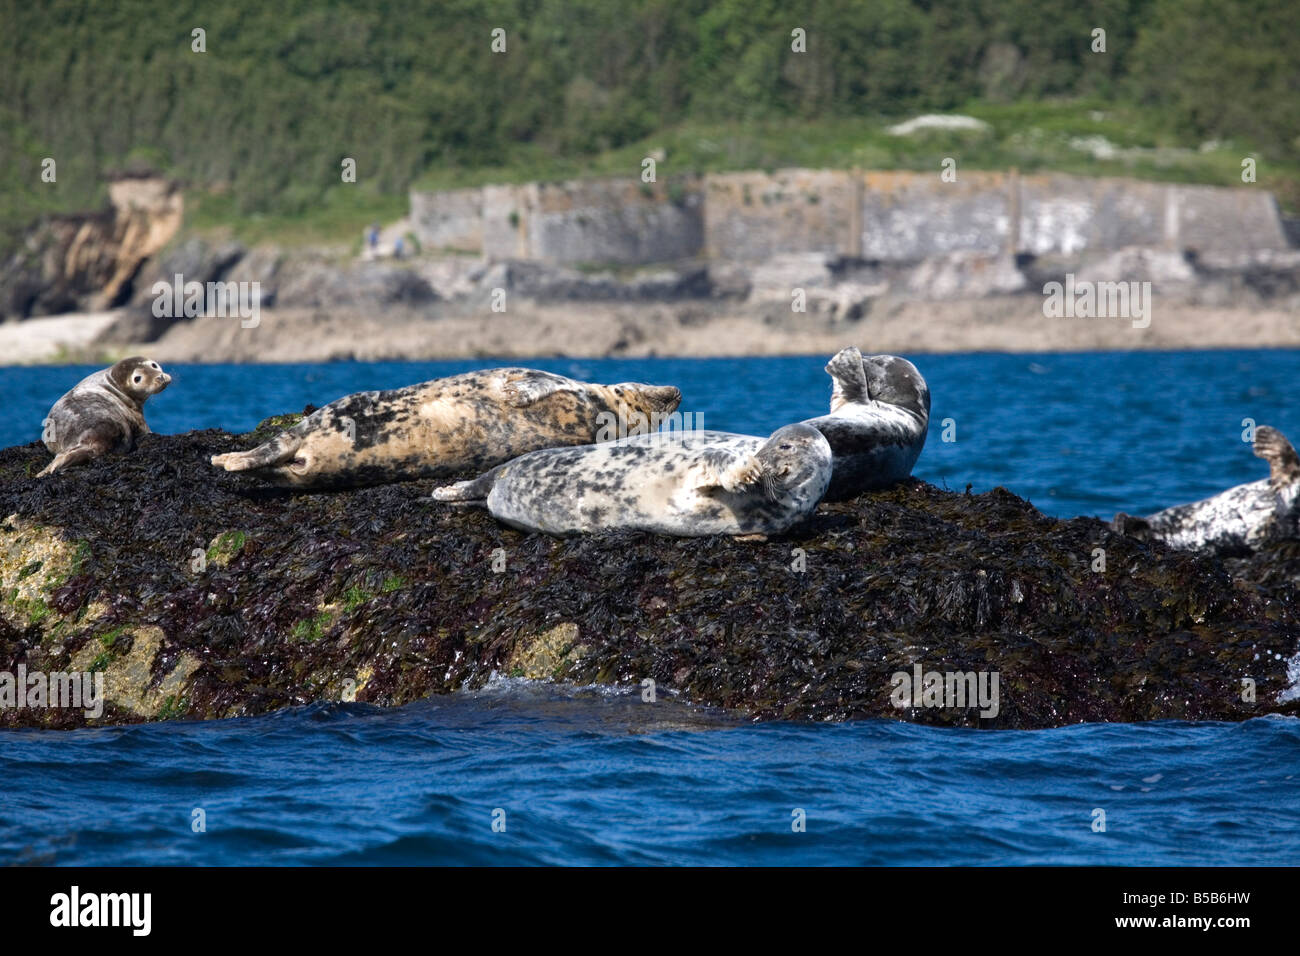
[
  {"x": 448, "y": 426},
  {"x": 678, "y": 483},
  {"x": 103, "y": 412},
  {"x": 1242, "y": 517},
  {"x": 880, "y": 414}
]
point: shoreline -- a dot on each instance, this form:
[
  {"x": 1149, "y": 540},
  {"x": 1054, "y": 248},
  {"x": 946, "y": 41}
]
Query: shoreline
[{"x": 704, "y": 329}]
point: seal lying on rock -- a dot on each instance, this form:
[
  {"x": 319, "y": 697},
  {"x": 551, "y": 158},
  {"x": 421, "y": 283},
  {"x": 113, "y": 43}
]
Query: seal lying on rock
[
  {"x": 1244, "y": 516},
  {"x": 436, "y": 429},
  {"x": 678, "y": 483},
  {"x": 104, "y": 411},
  {"x": 880, "y": 413}
]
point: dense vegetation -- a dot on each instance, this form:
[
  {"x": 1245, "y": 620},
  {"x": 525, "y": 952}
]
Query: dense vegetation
[{"x": 261, "y": 122}]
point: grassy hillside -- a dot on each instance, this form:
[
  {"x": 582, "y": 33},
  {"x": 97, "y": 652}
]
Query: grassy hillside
[{"x": 259, "y": 124}]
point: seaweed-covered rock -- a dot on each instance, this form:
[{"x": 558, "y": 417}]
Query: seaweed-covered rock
[{"x": 200, "y": 594}]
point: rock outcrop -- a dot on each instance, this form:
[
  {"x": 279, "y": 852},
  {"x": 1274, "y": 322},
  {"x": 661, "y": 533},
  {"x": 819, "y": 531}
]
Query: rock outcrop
[
  {"x": 202, "y": 594},
  {"x": 89, "y": 262}
]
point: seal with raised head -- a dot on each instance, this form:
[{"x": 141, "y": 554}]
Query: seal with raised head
[
  {"x": 880, "y": 414},
  {"x": 103, "y": 412},
  {"x": 1242, "y": 517},
  {"x": 451, "y": 425},
  {"x": 678, "y": 483}
]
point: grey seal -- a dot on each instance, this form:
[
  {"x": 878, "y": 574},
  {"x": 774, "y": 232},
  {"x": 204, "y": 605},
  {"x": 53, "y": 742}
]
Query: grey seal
[
  {"x": 684, "y": 483},
  {"x": 1241, "y": 517},
  {"x": 103, "y": 412},
  {"x": 879, "y": 417},
  {"x": 447, "y": 426}
]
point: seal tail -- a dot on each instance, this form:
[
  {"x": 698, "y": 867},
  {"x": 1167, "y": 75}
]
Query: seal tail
[
  {"x": 1283, "y": 463},
  {"x": 274, "y": 452}
]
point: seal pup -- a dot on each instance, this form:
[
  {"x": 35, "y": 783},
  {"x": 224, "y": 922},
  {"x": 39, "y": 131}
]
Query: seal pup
[
  {"x": 1241, "y": 517},
  {"x": 880, "y": 414},
  {"x": 102, "y": 412},
  {"x": 466, "y": 422},
  {"x": 678, "y": 483}
]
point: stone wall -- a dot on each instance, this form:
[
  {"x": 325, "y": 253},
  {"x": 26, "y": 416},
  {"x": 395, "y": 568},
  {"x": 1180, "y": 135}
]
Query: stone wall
[
  {"x": 890, "y": 216},
  {"x": 620, "y": 221},
  {"x": 449, "y": 220},
  {"x": 753, "y": 216}
]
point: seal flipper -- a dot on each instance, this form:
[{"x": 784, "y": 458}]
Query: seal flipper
[
  {"x": 277, "y": 451},
  {"x": 532, "y": 386},
  {"x": 471, "y": 492},
  {"x": 847, "y": 370},
  {"x": 92, "y": 443},
  {"x": 1283, "y": 463},
  {"x": 727, "y": 469},
  {"x": 1139, "y": 528},
  {"x": 76, "y": 455}
]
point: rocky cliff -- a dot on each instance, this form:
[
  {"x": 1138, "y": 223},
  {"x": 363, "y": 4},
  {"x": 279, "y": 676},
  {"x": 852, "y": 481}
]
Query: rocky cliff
[
  {"x": 201, "y": 594},
  {"x": 88, "y": 262}
]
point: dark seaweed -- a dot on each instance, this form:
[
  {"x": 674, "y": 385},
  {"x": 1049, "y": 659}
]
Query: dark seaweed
[{"x": 304, "y": 592}]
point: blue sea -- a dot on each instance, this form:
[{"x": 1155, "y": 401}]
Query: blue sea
[{"x": 528, "y": 773}]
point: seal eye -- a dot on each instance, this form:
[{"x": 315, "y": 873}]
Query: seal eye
[{"x": 138, "y": 379}]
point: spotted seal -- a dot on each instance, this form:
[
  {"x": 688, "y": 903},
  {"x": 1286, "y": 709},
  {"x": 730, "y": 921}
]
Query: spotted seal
[
  {"x": 451, "y": 425},
  {"x": 880, "y": 414},
  {"x": 1241, "y": 517},
  {"x": 102, "y": 412},
  {"x": 684, "y": 483}
]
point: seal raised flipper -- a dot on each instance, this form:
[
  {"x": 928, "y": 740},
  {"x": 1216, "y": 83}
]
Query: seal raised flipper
[
  {"x": 728, "y": 468},
  {"x": 1283, "y": 463},
  {"x": 523, "y": 387},
  {"x": 849, "y": 377}
]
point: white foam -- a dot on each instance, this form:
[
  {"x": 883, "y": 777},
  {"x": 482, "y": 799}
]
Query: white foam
[{"x": 1292, "y": 690}]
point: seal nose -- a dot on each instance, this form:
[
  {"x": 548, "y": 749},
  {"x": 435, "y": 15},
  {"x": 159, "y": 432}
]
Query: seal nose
[{"x": 665, "y": 397}]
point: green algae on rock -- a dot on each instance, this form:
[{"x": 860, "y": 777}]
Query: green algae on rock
[{"x": 205, "y": 594}]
